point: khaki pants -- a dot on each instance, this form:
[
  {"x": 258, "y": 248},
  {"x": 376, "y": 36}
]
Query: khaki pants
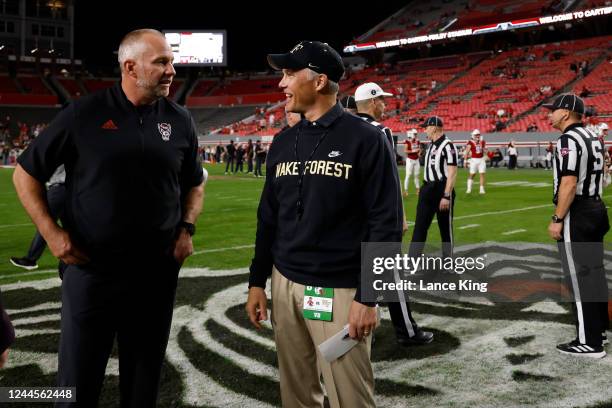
[{"x": 349, "y": 380}]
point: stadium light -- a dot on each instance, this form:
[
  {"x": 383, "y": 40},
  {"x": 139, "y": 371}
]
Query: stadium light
[
  {"x": 34, "y": 50},
  {"x": 1, "y": 47}
]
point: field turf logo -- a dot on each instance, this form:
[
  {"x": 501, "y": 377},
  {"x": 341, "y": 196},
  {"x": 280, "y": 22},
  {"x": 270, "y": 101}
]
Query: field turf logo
[{"x": 485, "y": 354}]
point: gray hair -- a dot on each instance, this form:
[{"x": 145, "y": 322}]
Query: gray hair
[
  {"x": 131, "y": 46},
  {"x": 331, "y": 88}
]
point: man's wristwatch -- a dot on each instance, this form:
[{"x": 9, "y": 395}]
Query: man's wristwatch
[
  {"x": 189, "y": 227},
  {"x": 556, "y": 219},
  {"x": 447, "y": 196}
]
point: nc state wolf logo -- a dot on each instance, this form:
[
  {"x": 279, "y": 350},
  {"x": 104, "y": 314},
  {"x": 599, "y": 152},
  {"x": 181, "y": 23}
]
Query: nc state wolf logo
[{"x": 165, "y": 129}]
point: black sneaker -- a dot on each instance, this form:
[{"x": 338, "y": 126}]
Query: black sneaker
[
  {"x": 604, "y": 339},
  {"x": 576, "y": 348},
  {"x": 24, "y": 263},
  {"x": 420, "y": 337}
]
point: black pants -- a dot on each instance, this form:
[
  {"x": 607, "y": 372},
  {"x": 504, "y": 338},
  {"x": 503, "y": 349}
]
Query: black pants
[
  {"x": 428, "y": 206},
  {"x": 512, "y": 162},
  {"x": 249, "y": 164},
  {"x": 401, "y": 317},
  {"x": 581, "y": 251},
  {"x": 230, "y": 162},
  {"x": 239, "y": 166},
  {"x": 130, "y": 301},
  {"x": 56, "y": 196},
  {"x": 258, "y": 161}
]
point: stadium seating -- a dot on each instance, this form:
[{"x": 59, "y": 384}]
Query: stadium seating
[
  {"x": 512, "y": 81},
  {"x": 203, "y": 87},
  {"x": 7, "y": 85},
  {"x": 247, "y": 86},
  {"x": 33, "y": 85},
  {"x": 480, "y": 12},
  {"x": 415, "y": 19},
  {"x": 71, "y": 86},
  {"x": 93, "y": 85}
]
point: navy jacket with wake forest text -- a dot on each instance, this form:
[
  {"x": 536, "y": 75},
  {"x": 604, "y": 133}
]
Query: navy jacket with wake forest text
[{"x": 349, "y": 195}]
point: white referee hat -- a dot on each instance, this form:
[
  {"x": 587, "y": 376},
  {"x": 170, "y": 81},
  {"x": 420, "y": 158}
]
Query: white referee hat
[{"x": 369, "y": 90}]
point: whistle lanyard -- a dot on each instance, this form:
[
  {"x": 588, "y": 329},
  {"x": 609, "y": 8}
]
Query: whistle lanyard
[{"x": 302, "y": 168}]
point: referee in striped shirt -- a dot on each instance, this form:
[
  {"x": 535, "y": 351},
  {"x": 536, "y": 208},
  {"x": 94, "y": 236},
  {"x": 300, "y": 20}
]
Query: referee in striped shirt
[
  {"x": 579, "y": 223},
  {"x": 370, "y": 103},
  {"x": 437, "y": 195}
]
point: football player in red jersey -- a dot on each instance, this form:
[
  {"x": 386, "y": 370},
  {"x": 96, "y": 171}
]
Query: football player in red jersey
[
  {"x": 475, "y": 155},
  {"x": 413, "y": 167}
]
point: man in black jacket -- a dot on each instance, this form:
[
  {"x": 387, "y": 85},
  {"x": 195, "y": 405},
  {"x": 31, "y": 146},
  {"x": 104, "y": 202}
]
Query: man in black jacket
[
  {"x": 133, "y": 192},
  {"x": 329, "y": 187}
]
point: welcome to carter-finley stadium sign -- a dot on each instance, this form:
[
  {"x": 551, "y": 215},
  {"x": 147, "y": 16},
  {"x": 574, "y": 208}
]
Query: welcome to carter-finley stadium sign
[{"x": 485, "y": 29}]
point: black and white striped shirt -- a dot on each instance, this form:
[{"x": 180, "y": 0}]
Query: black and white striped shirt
[
  {"x": 384, "y": 129},
  {"x": 579, "y": 153},
  {"x": 440, "y": 154}
]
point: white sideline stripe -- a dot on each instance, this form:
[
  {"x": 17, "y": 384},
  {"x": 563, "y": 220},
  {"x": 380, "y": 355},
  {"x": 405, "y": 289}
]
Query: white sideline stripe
[
  {"x": 16, "y": 225},
  {"x": 469, "y": 226},
  {"x": 14, "y": 275},
  {"x": 534, "y": 207},
  {"x": 514, "y": 232},
  {"x": 463, "y": 217},
  {"x": 207, "y": 251},
  {"x": 37, "y": 308}
]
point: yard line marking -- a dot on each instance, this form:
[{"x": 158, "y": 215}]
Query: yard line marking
[
  {"x": 514, "y": 232},
  {"x": 16, "y": 225},
  {"x": 207, "y": 251},
  {"x": 533, "y": 207},
  {"x": 463, "y": 217},
  {"x": 469, "y": 226},
  {"x": 15, "y": 275}
]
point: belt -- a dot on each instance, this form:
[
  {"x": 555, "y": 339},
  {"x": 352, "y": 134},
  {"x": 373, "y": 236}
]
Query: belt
[{"x": 582, "y": 198}]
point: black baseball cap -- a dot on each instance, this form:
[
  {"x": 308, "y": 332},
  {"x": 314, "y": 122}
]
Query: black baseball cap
[
  {"x": 318, "y": 56},
  {"x": 348, "y": 102},
  {"x": 433, "y": 121},
  {"x": 570, "y": 102}
]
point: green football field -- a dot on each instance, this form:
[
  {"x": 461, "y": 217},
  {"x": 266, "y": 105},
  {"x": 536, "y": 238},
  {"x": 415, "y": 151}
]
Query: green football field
[
  {"x": 485, "y": 354},
  {"x": 516, "y": 207}
]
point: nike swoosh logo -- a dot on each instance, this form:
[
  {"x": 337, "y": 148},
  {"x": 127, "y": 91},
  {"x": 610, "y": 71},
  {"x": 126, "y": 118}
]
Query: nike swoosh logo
[
  {"x": 334, "y": 154},
  {"x": 312, "y": 66}
]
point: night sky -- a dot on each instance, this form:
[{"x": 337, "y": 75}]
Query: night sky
[{"x": 253, "y": 29}]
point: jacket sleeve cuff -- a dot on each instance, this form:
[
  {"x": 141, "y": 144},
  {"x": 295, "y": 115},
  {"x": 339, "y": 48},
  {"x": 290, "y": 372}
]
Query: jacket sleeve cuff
[
  {"x": 357, "y": 298},
  {"x": 258, "y": 276}
]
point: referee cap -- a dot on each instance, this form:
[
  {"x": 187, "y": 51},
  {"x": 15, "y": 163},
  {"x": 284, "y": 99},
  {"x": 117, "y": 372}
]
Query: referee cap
[
  {"x": 316, "y": 55},
  {"x": 570, "y": 102},
  {"x": 433, "y": 121},
  {"x": 369, "y": 90},
  {"x": 348, "y": 102}
]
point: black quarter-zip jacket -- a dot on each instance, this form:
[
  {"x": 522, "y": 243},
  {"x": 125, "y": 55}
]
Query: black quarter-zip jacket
[
  {"x": 349, "y": 195},
  {"x": 127, "y": 171}
]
